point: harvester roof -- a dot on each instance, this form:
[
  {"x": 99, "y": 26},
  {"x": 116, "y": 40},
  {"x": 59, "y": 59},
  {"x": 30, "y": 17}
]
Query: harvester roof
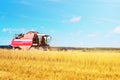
[{"x": 34, "y": 32}]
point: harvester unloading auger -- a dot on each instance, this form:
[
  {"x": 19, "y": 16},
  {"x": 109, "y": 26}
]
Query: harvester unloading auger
[{"x": 31, "y": 40}]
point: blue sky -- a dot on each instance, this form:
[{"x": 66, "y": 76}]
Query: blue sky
[{"x": 71, "y": 23}]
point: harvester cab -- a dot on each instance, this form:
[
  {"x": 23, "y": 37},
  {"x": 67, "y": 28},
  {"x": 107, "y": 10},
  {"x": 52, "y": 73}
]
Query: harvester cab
[{"x": 31, "y": 40}]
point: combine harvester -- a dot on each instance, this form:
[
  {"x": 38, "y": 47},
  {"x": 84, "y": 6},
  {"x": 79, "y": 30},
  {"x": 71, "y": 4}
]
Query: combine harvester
[{"x": 31, "y": 40}]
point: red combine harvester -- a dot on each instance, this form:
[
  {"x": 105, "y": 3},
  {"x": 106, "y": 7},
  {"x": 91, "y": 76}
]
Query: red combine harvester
[{"x": 31, "y": 40}]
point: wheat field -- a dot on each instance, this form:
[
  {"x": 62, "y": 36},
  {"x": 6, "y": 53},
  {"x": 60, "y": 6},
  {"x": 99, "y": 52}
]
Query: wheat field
[{"x": 59, "y": 65}]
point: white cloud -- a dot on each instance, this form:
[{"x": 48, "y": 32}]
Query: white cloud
[
  {"x": 75, "y": 19},
  {"x": 4, "y": 29},
  {"x": 13, "y": 30},
  {"x": 9, "y": 30},
  {"x": 117, "y": 30}
]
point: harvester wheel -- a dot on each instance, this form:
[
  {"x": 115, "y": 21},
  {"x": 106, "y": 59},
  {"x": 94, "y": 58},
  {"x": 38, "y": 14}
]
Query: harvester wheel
[
  {"x": 16, "y": 48},
  {"x": 40, "y": 48},
  {"x": 32, "y": 48},
  {"x": 47, "y": 48},
  {"x": 44, "y": 48}
]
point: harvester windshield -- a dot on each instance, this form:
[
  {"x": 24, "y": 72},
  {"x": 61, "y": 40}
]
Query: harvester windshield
[{"x": 46, "y": 37}]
